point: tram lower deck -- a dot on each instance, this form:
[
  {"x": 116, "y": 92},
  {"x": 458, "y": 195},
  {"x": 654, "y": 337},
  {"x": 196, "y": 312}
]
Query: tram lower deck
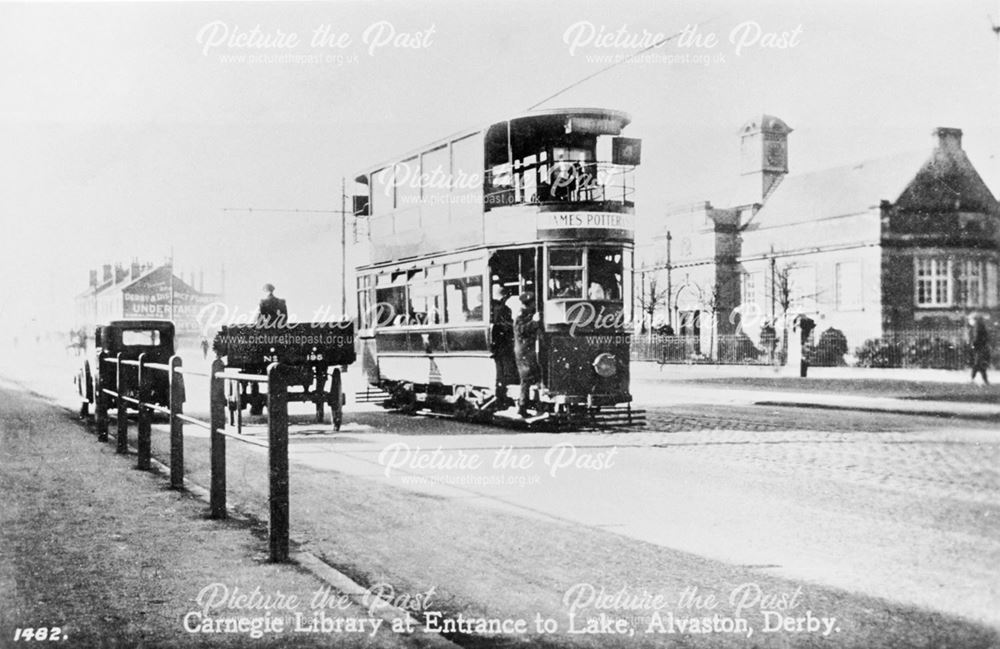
[{"x": 439, "y": 332}]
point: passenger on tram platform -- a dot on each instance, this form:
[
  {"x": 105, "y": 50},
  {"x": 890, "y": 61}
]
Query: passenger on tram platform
[
  {"x": 525, "y": 339},
  {"x": 502, "y": 343}
]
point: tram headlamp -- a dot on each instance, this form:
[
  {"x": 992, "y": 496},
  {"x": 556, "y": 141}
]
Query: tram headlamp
[{"x": 605, "y": 365}]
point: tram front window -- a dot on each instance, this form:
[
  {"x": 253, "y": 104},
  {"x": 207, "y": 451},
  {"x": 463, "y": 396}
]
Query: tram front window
[
  {"x": 593, "y": 275},
  {"x": 604, "y": 274}
]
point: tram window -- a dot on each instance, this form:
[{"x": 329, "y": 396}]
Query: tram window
[
  {"x": 425, "y": 303},
  {"x": 467, "y": 176},
  {"x": 390, "y": 307},
  {"x": 566, "y": 283},
  {"x": 463, "y": 299},
  {"x": 435, "y": 174},
  {"x": 500, "y": 175},
  {"x": 604, "y": 271},
  {"x": 566, "y": 257},
  {"x": 407, "y": 183},
  {"x": 565, "y": 273},
  {"x": 365, "y": 313},
  {"x": 528, "y": 179}
]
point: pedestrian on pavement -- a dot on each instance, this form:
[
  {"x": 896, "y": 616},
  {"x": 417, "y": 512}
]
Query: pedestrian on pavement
[
  {"x": 769, "y": 341},
  {"x": 525, "y": 337},
  {"x": 979, "y": 342},
  {"x": 272, "y": 310},
  {"x": 204, "y": 348}
]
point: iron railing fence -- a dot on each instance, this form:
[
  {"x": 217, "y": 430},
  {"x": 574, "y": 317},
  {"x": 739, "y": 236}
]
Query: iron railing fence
[{"x": 932, "y": 349}]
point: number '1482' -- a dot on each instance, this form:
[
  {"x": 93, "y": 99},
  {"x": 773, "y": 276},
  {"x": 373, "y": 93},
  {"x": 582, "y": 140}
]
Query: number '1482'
[{"x": 41, "y": 633}]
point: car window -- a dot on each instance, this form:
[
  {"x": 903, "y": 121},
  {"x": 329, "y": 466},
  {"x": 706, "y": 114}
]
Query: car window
[{"x": 140, "y": 337}]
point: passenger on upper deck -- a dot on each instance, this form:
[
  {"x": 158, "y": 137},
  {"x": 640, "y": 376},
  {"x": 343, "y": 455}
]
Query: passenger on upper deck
[{"x": 563, "y": 178}]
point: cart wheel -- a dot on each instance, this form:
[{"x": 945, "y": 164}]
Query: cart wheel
[{"x": 336, "y": 400}]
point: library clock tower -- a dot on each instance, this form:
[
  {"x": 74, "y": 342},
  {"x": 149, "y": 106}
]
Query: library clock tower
[{"x": 764, "y": 153}]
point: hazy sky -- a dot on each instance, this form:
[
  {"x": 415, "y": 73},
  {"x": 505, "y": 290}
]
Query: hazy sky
[{"x": 126, "y": 128}]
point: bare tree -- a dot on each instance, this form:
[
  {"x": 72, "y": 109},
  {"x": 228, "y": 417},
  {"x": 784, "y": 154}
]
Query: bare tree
[
  {"x": 786, "y": 294},
  {"x": 650, "y": 298}
]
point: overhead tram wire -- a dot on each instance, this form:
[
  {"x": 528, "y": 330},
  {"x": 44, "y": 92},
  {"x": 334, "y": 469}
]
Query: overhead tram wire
[
  {"x": 256, "y": 209},
  {"x": 628, "y": 58},
  {"x": 343, "y": 231}
]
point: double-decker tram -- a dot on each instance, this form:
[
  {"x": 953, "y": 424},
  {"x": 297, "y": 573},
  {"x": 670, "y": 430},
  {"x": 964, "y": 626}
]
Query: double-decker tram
[{"x": 462, "y": 234}]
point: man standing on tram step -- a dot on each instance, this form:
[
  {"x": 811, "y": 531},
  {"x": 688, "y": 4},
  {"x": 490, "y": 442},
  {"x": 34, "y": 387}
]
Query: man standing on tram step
[
  {"x": 272, "y": 310},
  {"x": 525, "y": 337},
  {"x": 502, "y": 345}
]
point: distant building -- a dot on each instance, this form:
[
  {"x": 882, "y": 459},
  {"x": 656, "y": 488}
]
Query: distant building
[
  {"x": 910, "y": 241},
  {"x": 142, "y": 291}
]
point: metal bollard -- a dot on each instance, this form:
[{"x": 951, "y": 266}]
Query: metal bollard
[
  {"x": 144, "y": 442},
  {"x": 122, "y": 408},
  {"x": 277, "y": 432},
  {"x": 176, "y": 424},
  {"x": 217, "y": 401},
  {"x": 100, "y": 401}
]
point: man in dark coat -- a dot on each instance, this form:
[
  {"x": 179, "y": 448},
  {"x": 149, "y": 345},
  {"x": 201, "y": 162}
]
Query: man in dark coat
[
  {"x": 272, "y": 310},
  {"x": 525, "y": 337},
  {"x": 979, "y": 343},
  {"x": 502, "y": 344}
]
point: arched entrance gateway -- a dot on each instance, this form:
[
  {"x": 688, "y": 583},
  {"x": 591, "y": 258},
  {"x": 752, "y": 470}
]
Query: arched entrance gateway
[{"x": 687, "y": 303}]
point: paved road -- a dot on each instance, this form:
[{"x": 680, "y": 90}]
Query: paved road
[{"x": 902, "y": 510}]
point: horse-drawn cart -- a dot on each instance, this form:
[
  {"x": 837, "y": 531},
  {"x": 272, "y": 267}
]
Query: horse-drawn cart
[{"x": 319, "y": 351}]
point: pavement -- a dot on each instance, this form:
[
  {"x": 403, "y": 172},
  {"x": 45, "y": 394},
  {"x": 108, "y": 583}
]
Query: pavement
[
  {"x": 96, "y": 554},
  {"x": 941, "y": 393}
]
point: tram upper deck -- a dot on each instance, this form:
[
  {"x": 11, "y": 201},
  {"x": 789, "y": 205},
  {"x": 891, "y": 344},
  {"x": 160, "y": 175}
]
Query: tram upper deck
[{"x": 550, "y": 175}]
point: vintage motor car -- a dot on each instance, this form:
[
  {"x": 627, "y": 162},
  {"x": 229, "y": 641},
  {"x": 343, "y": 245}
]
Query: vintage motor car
[{"x": 154, "y": 338}]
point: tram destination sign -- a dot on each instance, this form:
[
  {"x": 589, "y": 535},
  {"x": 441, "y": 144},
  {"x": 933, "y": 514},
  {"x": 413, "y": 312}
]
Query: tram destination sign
[
  {"x": 585, "y": 220},
  {"x": 301, "y": 343}
]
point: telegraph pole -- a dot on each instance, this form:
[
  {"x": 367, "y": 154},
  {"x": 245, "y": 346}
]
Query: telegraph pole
[
  {"x": 343, "y": 247},
  {"x": 170, "y": 280}
]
